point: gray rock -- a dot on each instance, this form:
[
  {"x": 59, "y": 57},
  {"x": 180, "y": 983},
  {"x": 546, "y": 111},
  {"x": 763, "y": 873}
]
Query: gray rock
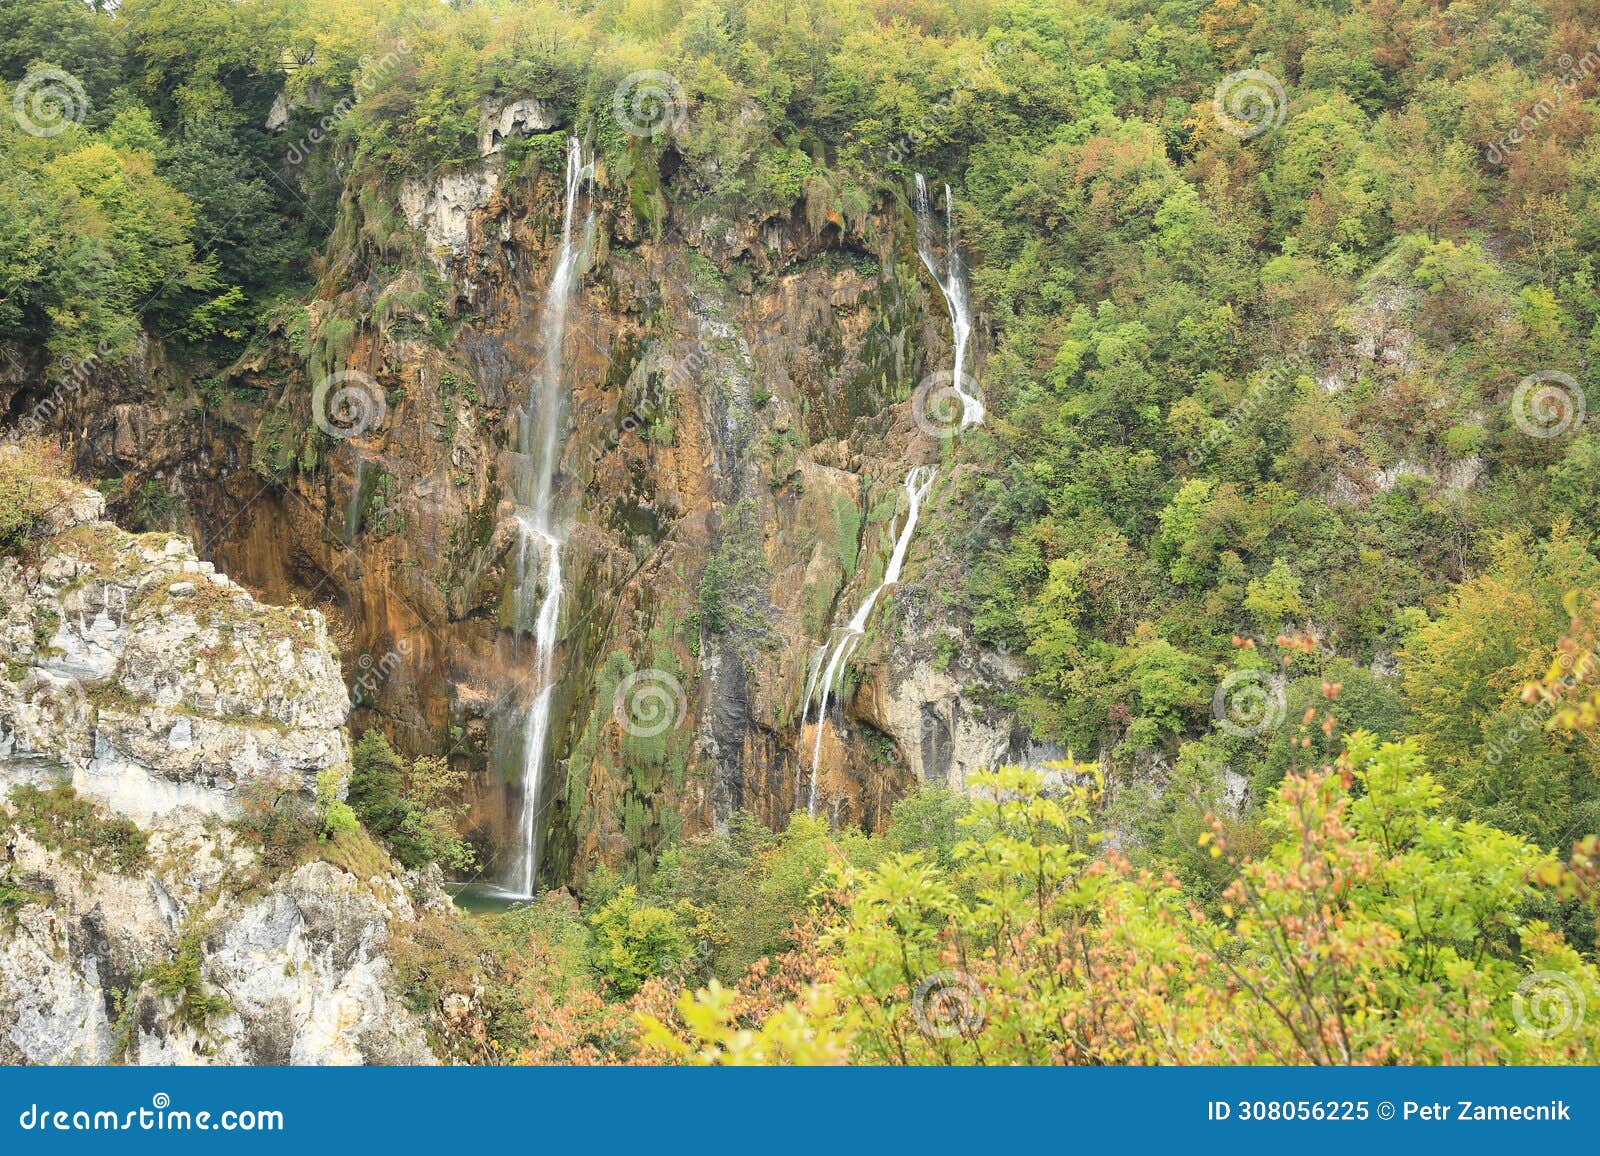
[
  {"x": 160, "y": 700},
  {"x": 153, "y": 694}
]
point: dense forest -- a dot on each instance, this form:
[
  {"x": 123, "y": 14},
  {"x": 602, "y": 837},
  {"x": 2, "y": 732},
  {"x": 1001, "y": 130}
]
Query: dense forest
[{"x": 1283, "y": 510}]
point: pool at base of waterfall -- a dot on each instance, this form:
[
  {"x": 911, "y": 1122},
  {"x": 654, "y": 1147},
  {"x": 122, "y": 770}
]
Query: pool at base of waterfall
[{"x": 485, "y": 898}]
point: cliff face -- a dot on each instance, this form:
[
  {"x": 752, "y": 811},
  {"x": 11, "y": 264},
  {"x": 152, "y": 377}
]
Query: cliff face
[
  {"x": 182, "y": 964},
  {"x": 149, "y": 681},
  {"x": 135, "y": 922},
  {"x": 739, "y": 427}
]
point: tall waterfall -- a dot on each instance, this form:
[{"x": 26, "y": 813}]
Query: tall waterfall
[
  {"x": 537, "y": 598},
  {"x": 831, "y": 658},
  {"x": 953, "y": 285}
]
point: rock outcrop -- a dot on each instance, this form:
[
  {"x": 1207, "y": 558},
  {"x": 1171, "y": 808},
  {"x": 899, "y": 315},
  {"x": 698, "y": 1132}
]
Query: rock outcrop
[
  {"x": 149, "y": 681},
  {"x": 184, "y": 962},
  {"x": 144, "y": 696}
]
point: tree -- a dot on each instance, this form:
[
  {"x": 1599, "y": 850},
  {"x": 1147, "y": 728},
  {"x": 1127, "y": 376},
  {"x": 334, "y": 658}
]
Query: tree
[
  {"x": 633, "y": 942},
  {"x": 1373, "y": 929},
  {"x": 1465, "y": 669},
  {"x": 415, "y": 808},
  {"x": 1274, "y": 598}
]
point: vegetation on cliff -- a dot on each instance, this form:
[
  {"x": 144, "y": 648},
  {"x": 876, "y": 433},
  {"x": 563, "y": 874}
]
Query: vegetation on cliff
[{"x": 1286, "y": 503}]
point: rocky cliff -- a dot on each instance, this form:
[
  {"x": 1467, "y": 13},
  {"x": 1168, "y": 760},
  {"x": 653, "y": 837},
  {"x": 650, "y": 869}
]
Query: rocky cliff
[
  {"x": 741, "y": 419},
  {"x": 146, "y": 698}
]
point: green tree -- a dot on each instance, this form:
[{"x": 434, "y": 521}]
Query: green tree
[{"x": 633, "y": 942}]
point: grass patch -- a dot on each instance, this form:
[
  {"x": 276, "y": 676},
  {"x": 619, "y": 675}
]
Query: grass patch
[
  {"x": 12, "y": 900},
  {"x": 79, "y": 829},
  {"x": 30, "y": 485},
  {"x": 356, "y": 852}
]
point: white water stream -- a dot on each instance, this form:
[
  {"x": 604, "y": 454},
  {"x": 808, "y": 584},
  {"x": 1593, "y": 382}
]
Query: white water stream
[
  {"x": 831, "y": 660},
  {"x": 539, "y": 557},
  {"x": 952, "y": 283},
  {"x": 831, "y": 657}
]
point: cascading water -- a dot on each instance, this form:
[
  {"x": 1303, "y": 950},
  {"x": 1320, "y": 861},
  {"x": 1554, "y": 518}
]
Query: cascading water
[
  {"x": 831, "y": 657},
  {"x": 831, "y": 660},
  {"x": 953, "y": 285},
  {"x": 538, "y": 592}
]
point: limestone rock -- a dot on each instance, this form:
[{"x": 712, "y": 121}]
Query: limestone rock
[
  {"x": 519, "y": 118},
  {"x": 148, "y": 693},
  {"x": 294, "y": 974},
  {"x": 443, "y": 209}
]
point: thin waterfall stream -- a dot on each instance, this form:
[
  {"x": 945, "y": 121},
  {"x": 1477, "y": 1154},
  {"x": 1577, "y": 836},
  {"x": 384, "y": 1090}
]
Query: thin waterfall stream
[
  {"x": 952, "y": 284},
  {"x": 831, "y": 660},
  {"x": 537, "y": 597},
  {"x": 831, "y": 657}
]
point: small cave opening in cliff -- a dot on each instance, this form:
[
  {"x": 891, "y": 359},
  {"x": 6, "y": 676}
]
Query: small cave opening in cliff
[{"x": 668, "y": 167}]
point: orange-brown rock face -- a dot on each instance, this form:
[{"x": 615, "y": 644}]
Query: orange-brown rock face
[{"x": 737, "y": 431}]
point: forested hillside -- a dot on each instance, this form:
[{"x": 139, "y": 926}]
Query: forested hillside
[{"x": 1238, "y": 700}]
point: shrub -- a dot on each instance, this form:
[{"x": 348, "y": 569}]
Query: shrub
[
  {"x": 633, "y": 942},
  {"x": 182, "y": 979},
  {"x": 279, "y": 820},
  {"x": 412, "y": 808},
  {"x": 338, "y": 818},
  {"x": 12, "y": 899},
  {"x": 29, "y": 485}
]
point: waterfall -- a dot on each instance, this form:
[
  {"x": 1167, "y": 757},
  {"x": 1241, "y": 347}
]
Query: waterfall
[
  {"x": 831, "y": 659},
  {"x": 953, "y": 285},
  {"x": 537, "y": 596},
  {"x": 352, "y": 509}
]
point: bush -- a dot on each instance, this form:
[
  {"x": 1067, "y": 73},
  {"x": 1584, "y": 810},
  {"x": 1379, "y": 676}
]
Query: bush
[
  {"x": 12, "y": 899},
  {"x": 633, "y": 942},
  {"x": 29, "y": 485},
  {"x": 412, "y": 808},
  {"x": 279, "y": 820},
  {"x": 181, "y": 979},
  {"x": 338, "y": 818}
]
